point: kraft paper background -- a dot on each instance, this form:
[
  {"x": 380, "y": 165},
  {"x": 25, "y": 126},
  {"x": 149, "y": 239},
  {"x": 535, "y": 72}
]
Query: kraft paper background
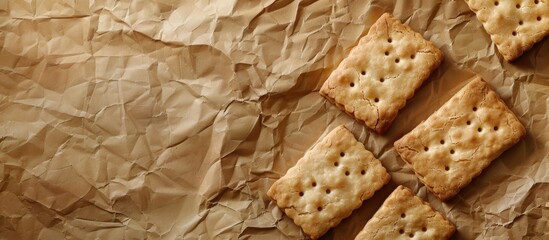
[{"x": 171, "y": 119}]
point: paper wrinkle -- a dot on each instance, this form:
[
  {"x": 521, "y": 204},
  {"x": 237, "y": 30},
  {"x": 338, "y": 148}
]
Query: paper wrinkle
[{"x": 170, "y": 120}]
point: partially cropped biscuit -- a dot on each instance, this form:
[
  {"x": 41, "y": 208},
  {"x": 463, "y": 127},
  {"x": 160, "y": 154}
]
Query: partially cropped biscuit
[
  {"x": 460, "y": 139},
  {"x": 514, "y": 26},
  {"x": 328, "y": 182},
  {"x": 381, "y": 73},
  {"x": 405, "y": 216}
]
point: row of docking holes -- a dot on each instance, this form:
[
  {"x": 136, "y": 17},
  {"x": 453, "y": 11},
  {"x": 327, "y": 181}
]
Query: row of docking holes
[
  {"x": 397, "y": 60},
  {"x": 401, "y": 231},
  {"x": 452, "y": 151},
  {"x": 538, "y": 18},
  {"x": 328, "y": 191}
]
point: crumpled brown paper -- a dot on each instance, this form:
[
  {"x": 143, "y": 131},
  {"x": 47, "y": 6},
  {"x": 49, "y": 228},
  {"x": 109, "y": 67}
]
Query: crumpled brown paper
[{"x": 171, "y": 119}]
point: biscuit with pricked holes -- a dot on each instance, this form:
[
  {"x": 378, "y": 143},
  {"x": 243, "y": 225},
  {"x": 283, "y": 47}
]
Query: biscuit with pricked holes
[
  {"x": 381, "y": 73},
  {"x": 514, "y": 26},
  {"x": 405, "y": 216},
  {"x": 328, "y": 182},
  {"x": 460, "y": 139}
]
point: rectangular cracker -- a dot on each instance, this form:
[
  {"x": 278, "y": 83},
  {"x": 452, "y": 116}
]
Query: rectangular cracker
[
  {"x": 405, "y": 216},
  {"x": 328, "y": 182},
  {"x": 381, "y": 73},
  {"x": 460, "y": 139},
  {"x": 514, "y": 26}
]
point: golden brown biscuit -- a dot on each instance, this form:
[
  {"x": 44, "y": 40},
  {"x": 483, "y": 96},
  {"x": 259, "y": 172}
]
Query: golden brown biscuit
[
  {"x": 381, "y": 73},
  {"x": 405, "y": 216},
  {"x": 514, "y": 26},
  {"x": 329, "y": 182},
  {"x": 460, "y": 139}
]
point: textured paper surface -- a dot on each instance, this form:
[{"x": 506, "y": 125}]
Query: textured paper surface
[{"x": 170, "y": 120}]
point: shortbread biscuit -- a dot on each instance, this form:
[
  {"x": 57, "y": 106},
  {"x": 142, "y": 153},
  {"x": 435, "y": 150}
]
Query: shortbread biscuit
[
  {"x": 405, "y": 216},
  {"x": 381, "y": 73},
  {"x": 460, "y": 139},
  {"x": 514, "y": 26},
  {"x": 328, "y": 182}
]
